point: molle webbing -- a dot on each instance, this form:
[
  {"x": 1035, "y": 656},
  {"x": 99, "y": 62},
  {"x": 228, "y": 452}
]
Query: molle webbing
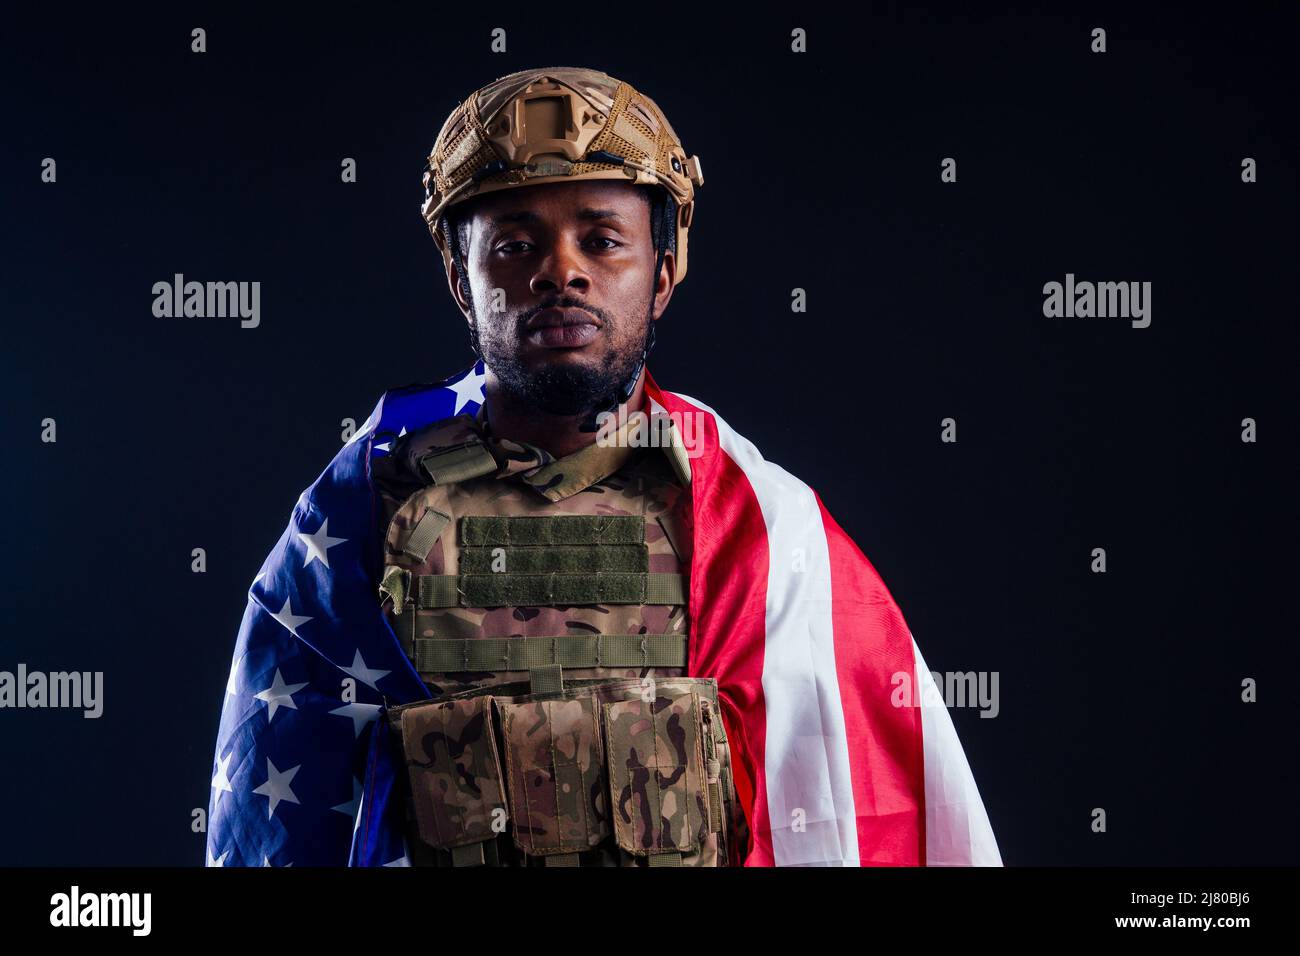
[
  {"x": 528, "y": 560},
  {"x": 564, "y": 558},
  {"x": 546, "y": 679},
  {"x": 554, "y": 588},
  {"x": 533, "y": 530},
  {"x": 491, "y": 654},
  {"x": 523, "y": 561}
]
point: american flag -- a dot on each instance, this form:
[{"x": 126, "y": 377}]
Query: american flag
[{"x": 789, "y": 616}]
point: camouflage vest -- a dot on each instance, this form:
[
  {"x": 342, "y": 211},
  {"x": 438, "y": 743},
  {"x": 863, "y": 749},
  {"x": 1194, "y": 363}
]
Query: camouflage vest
[{"x": 543, "y": 602}]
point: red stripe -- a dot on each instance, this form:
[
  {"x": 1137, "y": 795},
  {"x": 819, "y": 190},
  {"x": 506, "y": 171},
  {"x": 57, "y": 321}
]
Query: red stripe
[
  {"x": 886, "y": 753},
  {"x": 728, "y": 608}
]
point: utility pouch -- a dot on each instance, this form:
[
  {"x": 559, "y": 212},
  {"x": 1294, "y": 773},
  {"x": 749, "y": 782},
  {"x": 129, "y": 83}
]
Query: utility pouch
[
  {"x": 657, "y": 774},
  {"x": 592, "y": 774},
  {"x": 455, "y": 774},
  {"x": 557, "y": 781}
]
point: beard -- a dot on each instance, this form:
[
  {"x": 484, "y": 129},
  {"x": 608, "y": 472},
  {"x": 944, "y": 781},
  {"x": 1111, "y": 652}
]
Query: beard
[
  {"x": 567, "y": 389},
  {"x": 562, "y": 388}
]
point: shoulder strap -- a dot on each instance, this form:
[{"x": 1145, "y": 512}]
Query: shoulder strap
[
  {"x": 439, "y": 454},
  {"x": 445, "y": 452},
  {"x": 456, "y": 463}
]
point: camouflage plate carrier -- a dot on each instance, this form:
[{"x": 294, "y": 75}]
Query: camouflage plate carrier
[{"x": 547, "y": 616}]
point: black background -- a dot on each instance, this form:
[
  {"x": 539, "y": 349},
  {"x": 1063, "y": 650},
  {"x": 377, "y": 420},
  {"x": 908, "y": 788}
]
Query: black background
[{"x": 1119, "y": 691}]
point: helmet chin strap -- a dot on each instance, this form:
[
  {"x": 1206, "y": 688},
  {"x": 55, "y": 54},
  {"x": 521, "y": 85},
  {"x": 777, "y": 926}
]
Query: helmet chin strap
[{"x": 624, "y": 392}]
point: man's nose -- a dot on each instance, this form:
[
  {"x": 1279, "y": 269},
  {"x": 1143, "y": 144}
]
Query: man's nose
[{"x": 559, "y": 270}]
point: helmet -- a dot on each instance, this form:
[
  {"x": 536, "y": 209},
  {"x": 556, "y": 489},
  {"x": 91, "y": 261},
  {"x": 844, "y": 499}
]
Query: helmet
[{"x": 557, "y": 124}]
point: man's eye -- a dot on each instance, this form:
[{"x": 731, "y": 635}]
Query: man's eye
[
  {"x": 506, "y": 246},
  {"x": 612, "y": 243}
]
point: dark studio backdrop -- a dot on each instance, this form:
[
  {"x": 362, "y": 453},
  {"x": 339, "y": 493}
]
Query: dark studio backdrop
[{"x": 1118, "y": 690}]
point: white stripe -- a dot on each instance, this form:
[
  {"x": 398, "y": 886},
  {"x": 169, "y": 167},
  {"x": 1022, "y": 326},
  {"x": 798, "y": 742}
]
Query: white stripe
[
  {"x": 957, "y": 830},
  {"x": 806, "y": 762}
]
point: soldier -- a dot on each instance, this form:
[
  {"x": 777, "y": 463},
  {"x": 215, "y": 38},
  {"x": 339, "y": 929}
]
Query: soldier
[
  {"x": 571, "y": 645},
  {"x": 560, "y": 199}
]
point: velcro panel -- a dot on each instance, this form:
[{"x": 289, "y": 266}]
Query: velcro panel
[
  {"x": 656, "y": 774},
  {"x": 558, "y": 796},
  {"x": 516, "y": 590},
  {"x": 470, "y": 144},
  {"x": 629, "y": 131},
  {"x": 454, "y": 770},
  {"x": 563, "y": 558},
  {"x": 488, "y": 530}
]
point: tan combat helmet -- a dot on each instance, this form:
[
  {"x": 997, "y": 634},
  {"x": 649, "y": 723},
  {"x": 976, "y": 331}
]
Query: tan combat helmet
[{"x": 556, "y": 124}]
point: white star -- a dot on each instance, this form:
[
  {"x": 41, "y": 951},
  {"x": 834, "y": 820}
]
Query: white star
[
  {"x": 469, "y": 388},
  {"x": 385, "y": 446},
  {"x": 277, "y": 787},
  {"x": 360, "y": 715},
  {"x": 318, "y": 544},
  {"x": 220, "y": 780},
  {"x": 289, "y": 619},
  {"x": 217, "y": 861},
  {"x": 361, "y": 672},
  {"x": 279, "y": 694},
  {"x": 232, "y": 683},
  {"x": 349, "y": 809}
]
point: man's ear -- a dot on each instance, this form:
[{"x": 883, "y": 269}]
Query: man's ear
[
  {"x": 454, "y": 284},
  {"x": 664, "y": 284}
]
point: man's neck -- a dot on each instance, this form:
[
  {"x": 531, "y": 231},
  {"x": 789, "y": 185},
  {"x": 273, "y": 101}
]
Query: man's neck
[{"x": 558, "y": 434}]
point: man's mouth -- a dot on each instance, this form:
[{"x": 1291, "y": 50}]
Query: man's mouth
[{"x": 558, "y": 328}]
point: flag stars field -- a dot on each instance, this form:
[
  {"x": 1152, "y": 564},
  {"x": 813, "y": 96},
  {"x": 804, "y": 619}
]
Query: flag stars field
[
  {"x": 290, "y": 620},
  {"x": 359, "y": 714},
  {"x": 366, "y": 675},
  {"x": 318, "y": 544},
  {"x": 277, "y": 788},
  {"x": 279, "y": 694}
]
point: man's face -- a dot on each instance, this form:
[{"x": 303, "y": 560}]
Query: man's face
[{"x": 560, "y": 278}]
